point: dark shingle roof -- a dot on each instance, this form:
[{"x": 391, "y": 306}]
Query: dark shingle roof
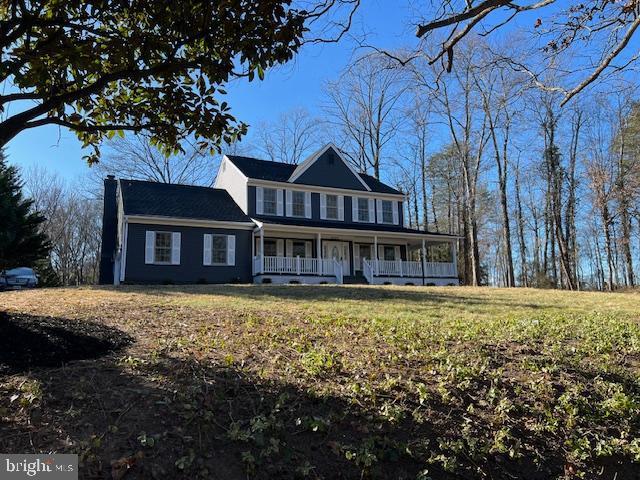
[
  {"x": 180, "y": 201},
  {"x": 268, "y": 220},
  {"x": 280, "y": 172}
]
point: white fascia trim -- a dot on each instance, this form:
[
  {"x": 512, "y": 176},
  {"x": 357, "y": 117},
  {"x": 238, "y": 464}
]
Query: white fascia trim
[
  {"x": 312, "y": 159},
  {"x": 353, "y": 232},
  {"x": 253, "y": 182},
  {"x": 188, "y": 222}
]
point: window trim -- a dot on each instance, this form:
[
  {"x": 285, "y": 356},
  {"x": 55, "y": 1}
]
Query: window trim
[
  {"x": 275, "y": 201},
  {"x": 155, "y": 247},
  {"x": 150, "y": 247},
  {"x": 207, "y": 250}
]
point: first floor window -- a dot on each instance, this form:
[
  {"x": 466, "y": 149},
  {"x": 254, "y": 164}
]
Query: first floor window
[
  {"x": 299, "y": 249},
  {"x": 219, "y": 249},
  {"x": 332, "y": 207},
  {"x": 387, "y": 211},
  {"x": 363, "y": 209},
  {"x": 270, "y": 201},
  {"x": 270, "y": 248},
  {"x": 162, "y": 250},
  {"x": 389, "y": 253},
  {"x": 297, "y": 204}
]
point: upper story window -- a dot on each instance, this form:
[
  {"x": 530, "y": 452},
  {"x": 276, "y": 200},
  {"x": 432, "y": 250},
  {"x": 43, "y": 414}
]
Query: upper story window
[
  {"x": 162, "y": 248},
  {"x": 387, "y": 211},
  {"x": 363, "y": 210},
  {"x": 298, "y": 204},
  {"x": 332, "y": 207},
  {"x": 270, "y": 201}
]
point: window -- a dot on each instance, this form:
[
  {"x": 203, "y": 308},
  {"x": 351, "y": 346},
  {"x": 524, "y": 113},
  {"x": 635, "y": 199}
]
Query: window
[
  {"x": 387, "y": 211},
  {"x": 270, "y": 248},
  {"x": 363, "y": 210},
  {"x": 219, "y": 249},
  {"x": 298, "y": 204},
  {"x": 389, "y": 253},
  {"x": 332, "y": 207},
  {"x": 299, "y": 249},
  {"x": 270, "y": 201},
  {"x": 162, "y": 248}
]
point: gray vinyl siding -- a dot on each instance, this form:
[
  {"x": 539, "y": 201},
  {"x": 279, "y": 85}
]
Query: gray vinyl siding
[{"x": 191, "y": 268}]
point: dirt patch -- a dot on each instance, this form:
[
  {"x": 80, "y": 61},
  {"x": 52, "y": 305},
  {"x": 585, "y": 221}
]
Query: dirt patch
[{"x": 28, "y": 341}]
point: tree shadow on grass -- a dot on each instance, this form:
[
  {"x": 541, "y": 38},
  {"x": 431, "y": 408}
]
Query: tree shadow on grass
[{"x": 331, "y": 293}]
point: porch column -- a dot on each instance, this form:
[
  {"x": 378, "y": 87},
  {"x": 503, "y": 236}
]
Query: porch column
[
  {"x": 423, "y": 258},
  {"x": 375, "y": 255},
  {"x": 262, "y": 250},
  {"x": 319, "y": 252},
  {"x": 454, "y": 256}
]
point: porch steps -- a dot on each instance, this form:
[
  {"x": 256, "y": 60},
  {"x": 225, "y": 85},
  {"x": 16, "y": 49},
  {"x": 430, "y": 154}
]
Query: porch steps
[{"x": 355, "y": 280}]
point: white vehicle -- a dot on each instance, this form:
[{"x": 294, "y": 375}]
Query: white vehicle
[{"x": 21, "y": 277}]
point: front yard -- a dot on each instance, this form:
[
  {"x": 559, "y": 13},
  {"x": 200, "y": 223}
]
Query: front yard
[{"x": 234, "y": 382}]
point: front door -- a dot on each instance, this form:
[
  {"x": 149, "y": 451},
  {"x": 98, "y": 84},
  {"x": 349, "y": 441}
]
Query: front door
[
  {"x": 338, "y": 251},
  {"x": 364, "y": 251}
]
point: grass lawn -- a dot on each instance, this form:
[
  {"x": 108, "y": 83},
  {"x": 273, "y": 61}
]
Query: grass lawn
[{"x": 234, "y": 382}]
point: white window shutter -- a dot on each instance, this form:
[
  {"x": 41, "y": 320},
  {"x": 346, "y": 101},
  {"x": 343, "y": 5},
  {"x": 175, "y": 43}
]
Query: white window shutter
[
  {"x": 378, "y": 210},
  {"x": 354, "y": 209},
  {"x": 149, "y": 246},
  {"x": 289, "y": 203},
  {"x": 206, "y": 249},
  {"x": 323, "y": 206},
  {"x": 372, "y": 214},
  {"x": 396, "y": 206},
  {"x": 397, "y": 253},
  {"x": 307, "y": 204},
  {"x": 307, "y": 250},
  {"x": 341, "y": 208},
  {"x": 259, "y": 200},
  {"x": 280, "y": 200},
  {"x": 280, "y": 247},
  {"x": 356, "y": 255},
  {"x": 175, "y": 248},
  {"x": 289, "y": 250},
  {"x": 231, "y": 249}
]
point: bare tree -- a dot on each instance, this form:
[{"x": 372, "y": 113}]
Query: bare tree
[
  {"x": 136, "y": 157},
  {"x": 364, "y": 105},
  {"x": 291, "y": 137}
]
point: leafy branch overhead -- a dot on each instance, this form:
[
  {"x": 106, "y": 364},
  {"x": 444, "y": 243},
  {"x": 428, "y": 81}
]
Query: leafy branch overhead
[{"x": 102, "y": 67}]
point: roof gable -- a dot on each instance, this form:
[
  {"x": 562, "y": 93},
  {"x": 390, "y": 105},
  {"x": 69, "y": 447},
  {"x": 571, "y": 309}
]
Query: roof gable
[
  {"x": 328, "y": 168},
  {"x": 256, "y": 169}
]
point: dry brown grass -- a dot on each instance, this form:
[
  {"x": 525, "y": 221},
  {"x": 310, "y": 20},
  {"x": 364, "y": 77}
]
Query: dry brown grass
[{"x": 338, "y": 382}]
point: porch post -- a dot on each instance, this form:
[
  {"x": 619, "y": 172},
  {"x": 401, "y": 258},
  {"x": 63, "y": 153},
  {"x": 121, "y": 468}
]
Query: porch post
[
  {"x": 454, "y": 256},
  {"x": 423, "y": 257},
  {"x": 319, "y": 252},
  {"x": 375, "y": 254},
  {"x": 262, "y": 250}
]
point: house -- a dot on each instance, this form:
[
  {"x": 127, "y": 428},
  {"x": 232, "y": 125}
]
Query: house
[{"x": 268, "y": 222}]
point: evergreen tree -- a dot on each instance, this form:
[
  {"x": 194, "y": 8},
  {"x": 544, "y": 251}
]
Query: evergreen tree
[{"x": 21, "y": 241}]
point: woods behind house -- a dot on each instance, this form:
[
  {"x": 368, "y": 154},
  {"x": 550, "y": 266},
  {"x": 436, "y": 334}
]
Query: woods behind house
[{"x": 542, "y": 195}]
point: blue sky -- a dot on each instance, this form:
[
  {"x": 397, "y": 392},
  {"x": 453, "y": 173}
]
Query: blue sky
[{"x": 297, "y": 84}]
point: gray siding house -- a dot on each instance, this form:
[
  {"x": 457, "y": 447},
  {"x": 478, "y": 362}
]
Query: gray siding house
[{"x": 269, "y": 222}]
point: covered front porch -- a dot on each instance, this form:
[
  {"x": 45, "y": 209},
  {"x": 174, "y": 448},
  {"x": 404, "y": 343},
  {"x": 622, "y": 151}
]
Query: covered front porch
[{"x": 300, "y": 254}]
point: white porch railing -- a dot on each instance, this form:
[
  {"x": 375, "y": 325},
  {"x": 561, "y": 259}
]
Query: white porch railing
[
  {"x": 398, "y": 268},
  {"x": 370, "y": 268},
  {"x": 294, "y": 266}
]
